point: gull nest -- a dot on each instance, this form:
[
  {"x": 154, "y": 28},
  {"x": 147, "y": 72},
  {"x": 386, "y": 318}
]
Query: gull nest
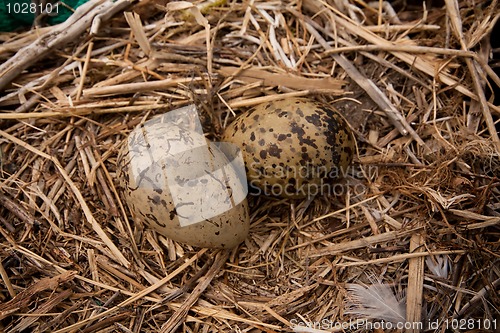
[{"x": 410, "y": 237}]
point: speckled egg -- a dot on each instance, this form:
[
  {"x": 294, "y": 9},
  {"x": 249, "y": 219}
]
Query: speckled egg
[
  {"x": 181, "y": 185},
  {"x": 292, "y": 147}
]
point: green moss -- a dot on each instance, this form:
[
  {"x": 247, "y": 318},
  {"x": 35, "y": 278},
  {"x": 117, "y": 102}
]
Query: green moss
[{"x": 206, "y": 7}]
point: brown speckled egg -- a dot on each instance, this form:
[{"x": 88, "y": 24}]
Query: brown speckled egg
[
  {"x": 292, "y": 147},
  {"x": 172, "y": 180}
]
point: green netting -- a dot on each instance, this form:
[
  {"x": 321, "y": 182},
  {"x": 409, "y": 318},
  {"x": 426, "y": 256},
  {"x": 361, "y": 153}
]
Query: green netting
[{"x": 18, "y": 14}]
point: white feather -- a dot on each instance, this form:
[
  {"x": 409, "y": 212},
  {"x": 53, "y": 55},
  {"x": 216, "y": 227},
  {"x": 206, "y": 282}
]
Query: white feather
[
  {"x": 438, "y": 266},
  {"x": 375, "y": 301}
]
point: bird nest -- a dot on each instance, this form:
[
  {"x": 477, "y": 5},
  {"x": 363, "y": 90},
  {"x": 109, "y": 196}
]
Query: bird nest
[{"x": 411, "y": 236}]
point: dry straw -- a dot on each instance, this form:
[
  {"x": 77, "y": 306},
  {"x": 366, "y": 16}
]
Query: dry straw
[{"x": 419, "y": 209}]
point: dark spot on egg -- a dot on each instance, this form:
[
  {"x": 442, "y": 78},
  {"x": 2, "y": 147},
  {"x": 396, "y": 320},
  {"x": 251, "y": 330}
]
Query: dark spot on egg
[
  {"x": 274, "y": 150},
  {"x": 314, "y": 119},
  {"x": 282, "y": 137},
  {"x": 155, "y": 200},
  {"x": 282, "y": 114},
  {"x": 297, "y": 129}
]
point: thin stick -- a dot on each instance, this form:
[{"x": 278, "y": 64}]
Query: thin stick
[
  {"x": 361, "y": 243},
  {"x": 84, "y": 70},
  {"x": 6, "y": 281},
  {"x": 399, "y": 257},
  {"x": 414, "y": 296}
]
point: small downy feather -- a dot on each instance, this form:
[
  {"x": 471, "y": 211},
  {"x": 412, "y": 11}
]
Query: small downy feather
[
  {"x": 438, "y": 265},
  {"x": 375, "y": 301}
]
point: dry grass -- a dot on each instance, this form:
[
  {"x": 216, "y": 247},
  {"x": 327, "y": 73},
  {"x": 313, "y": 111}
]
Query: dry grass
[{"x": 419, "y": 210}]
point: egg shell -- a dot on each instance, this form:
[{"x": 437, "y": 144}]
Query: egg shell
[
  {"x": 155, "y": 156},
  {"x": 292, "y": 147}
]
